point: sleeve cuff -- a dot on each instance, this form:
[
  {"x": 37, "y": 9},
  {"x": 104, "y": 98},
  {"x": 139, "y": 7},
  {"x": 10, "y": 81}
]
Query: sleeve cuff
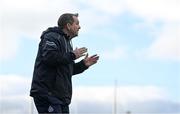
[
  {"x": 83, "y": 64},
  {"x": 73, "y": 56}
]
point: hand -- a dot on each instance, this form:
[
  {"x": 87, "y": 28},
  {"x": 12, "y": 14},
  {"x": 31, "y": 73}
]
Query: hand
[
  {"x": 79, "y": 52},
  {"x": 88, "y": 61}
]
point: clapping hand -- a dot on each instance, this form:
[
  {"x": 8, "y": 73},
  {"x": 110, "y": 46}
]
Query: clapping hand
[
  {"x": 88, "y": 61},
  {"x": 79, "y": 52}
]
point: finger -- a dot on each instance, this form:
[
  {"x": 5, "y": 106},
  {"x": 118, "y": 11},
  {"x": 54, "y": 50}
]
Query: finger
[
  {"x": 93, "y": 56},
  {"x": 96, "y": 58},
  {"x": 86, "y": 56},
  {"x": 83, "y": 48},
  {"x": 93, "y": 62},
  {"x": 82, "y": 55}
]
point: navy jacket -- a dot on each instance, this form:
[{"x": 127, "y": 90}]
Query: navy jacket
[{"x": 54, "y": 66}]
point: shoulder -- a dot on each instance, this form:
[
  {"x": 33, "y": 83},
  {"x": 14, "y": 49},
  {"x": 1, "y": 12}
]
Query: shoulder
[{"x": 52, "y": 33}]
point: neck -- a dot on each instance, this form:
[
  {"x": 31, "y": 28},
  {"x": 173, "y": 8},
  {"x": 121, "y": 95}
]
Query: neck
[{"x": 67, "y": 33}]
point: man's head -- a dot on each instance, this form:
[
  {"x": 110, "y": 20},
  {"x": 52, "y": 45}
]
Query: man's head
[{"x": 69, "y": 23}]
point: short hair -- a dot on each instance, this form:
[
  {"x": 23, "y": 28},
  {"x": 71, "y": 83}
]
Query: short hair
[{"x": 66, "y": 18}]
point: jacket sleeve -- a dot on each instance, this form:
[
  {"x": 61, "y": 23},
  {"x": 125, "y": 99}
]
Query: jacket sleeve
[
  {"x": 52, "y": 52},
  {"x": 79, "y": 67}
]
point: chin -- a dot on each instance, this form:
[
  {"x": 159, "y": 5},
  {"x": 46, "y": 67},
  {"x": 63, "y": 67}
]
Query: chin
[{"x": 74, "y": 35}]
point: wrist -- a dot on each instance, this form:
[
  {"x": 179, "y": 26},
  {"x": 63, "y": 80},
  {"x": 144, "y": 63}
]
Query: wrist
[
  {"x": 85, "y": 64},
  {"x": 73, "y": 56}
]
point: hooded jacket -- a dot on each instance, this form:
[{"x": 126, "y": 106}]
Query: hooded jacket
[{"x": 54, "y": 66}]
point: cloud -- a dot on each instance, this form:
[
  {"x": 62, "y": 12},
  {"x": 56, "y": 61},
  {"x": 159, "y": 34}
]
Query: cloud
[
  {"x": 165, "y": 45},
  {"x": 14, "y": 98},
  {"x": 14, "y": 84},
  {"x": 108, "y": 7},
  {"x": 8, "y": 47},
  {"x": 36, "y": 6},
  {"x": 14, "y": 94},
  {"x": 114, "y": 54},
  {"x": 138, "y": 99},
  {"x": 150, "y": 10},
  {"x": 27, "y": 19},
  {"x": 155, "y": 10},
  {"x": 125, "y": 94}
]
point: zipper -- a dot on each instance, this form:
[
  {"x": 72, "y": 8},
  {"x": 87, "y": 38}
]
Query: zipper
[{"x": 66, "y": 46}]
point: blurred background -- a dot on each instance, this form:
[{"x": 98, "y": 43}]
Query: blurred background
[{"x": 138, "y": 42}]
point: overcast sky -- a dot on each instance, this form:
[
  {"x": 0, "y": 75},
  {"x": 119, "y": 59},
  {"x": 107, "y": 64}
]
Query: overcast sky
[{"x": 138, "y": 42}]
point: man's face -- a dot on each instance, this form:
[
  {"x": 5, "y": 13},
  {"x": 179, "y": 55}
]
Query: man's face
[{"x": 74, "y": 27}]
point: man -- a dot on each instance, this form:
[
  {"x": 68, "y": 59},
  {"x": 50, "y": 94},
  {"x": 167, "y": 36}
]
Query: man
[{"x": 51, "y": 86}]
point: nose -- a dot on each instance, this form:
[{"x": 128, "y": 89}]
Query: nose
[{"x": 79, "y": 27}]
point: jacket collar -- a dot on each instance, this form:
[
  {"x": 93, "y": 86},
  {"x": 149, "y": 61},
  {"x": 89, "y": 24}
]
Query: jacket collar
[{"x": 55, "y": 29}]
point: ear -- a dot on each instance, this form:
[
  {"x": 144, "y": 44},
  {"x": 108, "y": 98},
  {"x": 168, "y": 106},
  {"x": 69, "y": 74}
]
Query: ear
[{"x": 68, "y": 26}]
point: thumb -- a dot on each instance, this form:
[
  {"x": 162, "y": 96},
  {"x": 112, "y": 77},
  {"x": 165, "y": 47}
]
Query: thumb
[{"x": 86, "y": 56}]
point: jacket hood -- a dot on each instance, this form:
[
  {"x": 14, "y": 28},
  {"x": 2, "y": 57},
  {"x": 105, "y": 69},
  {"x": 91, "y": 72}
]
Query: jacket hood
[{"x": 54, "y": 29}]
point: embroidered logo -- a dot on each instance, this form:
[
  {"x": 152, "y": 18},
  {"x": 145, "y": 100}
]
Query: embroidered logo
[{"x": 50, "y": 109}]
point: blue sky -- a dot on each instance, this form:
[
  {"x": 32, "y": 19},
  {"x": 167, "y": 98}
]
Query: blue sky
[{"x": 137, "y": 41}]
